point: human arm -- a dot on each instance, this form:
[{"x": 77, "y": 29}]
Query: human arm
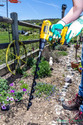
[
  {"x": 74, "y": 12},
  {"x": 72, "y": 15}
]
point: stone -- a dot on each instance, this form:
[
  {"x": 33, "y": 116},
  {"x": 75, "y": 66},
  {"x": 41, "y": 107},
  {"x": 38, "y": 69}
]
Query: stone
[
  {"x": 63, "y": 89},
  {"x": 63, "y": 94},
  {"x": 58, "y": 109},
  {"x": 67, "y": 84},
  {"x": 62, "y": 99},
  {"x": 68, "y": 79}
]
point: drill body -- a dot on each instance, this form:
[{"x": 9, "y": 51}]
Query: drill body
[{"x": 46, "y": 33}]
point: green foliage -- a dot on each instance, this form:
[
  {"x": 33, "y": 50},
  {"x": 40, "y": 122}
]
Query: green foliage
[
  {"x": 25, "y": 74},
  {"x": 62, "y": 53},
  {"x": 75, "y": 68},
  {"x": 80, "y": 66},
  {"x": 18, "y": 95},
  {"x": 30, "y": 61},
  {"x": 44, "y": 89},
  {"x": 3, "y": 85},
  {"x": 61, "y": 47},
  {"x": 44, "y": 69},
  {"x": 22, "y": 81},
  {"x": 19, "y": 71},
  {"x": 3, "y": 97},
  {"x": 24, "y": 85}
]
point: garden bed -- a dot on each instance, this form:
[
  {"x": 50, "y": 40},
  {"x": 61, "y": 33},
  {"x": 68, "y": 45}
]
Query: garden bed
[{"x": 45, "y": 110}]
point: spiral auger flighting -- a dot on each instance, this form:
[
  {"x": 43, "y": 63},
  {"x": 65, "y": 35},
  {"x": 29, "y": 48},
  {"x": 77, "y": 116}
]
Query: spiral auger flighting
[
  {"x": 34, "y": 82},
  {"x": 42, "y": 43}
]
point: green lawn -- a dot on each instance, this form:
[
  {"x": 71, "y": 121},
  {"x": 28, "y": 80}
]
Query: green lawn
[{"x": 4, "y": 37}]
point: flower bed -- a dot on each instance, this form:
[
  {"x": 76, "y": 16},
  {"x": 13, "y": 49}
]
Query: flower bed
[{"x": 8, "y": 94}]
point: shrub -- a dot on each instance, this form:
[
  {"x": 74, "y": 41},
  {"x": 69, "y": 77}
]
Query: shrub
[
  {"x": 30, "y": 62},
  {"x": 61, "y": 47},
  {"x": 44, "y": 69}
]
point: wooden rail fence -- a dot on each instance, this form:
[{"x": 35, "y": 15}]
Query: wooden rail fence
[{"x": 15, "y": 36}]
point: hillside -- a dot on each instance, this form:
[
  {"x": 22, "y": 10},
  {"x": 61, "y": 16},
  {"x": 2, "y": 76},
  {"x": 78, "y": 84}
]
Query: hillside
[{"x": 39, "y": 22}]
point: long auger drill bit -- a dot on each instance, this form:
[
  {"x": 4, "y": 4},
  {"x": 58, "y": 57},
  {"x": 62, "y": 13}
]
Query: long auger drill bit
[
  {"x": 44, "y": 36},
  {"x": 35, "y": 75}
]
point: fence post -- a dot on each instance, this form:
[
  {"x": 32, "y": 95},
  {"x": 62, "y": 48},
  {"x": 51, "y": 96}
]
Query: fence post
[{"x": 15, "y": 35}]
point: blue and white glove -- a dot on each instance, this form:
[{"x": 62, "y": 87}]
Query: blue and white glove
[
  {"x": 74, "y": 29},
  {"x": 56, "y": 28}
]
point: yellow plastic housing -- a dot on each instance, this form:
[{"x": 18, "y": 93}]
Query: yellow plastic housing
[
  {"x": 45, "y": 30},
  {"x": 63, "y": 34}
]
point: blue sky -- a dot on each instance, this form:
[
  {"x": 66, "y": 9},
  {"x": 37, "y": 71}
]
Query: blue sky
[{"x": 36, "y": 9}]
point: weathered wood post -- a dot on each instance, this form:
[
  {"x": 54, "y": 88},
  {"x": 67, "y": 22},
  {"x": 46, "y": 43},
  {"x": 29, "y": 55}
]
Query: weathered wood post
[{"x": 15, "y": 35}]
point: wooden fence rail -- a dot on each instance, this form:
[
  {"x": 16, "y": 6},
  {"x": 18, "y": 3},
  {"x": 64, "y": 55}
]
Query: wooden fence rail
[
  {"x": 10, "y": 21},
  {"x": 5, "y": 45}
]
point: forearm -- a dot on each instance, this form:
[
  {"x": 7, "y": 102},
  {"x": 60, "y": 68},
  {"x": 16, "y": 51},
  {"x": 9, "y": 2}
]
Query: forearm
[
  {"x": 75, "y": 11},
  {"x": 72, "y": 15}
]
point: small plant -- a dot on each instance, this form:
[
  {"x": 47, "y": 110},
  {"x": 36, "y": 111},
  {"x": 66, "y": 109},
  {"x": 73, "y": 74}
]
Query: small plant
[
  {"x": 75, "y": 68},
  {"x": 62, "y": 53},
  {"x": 25, "y": 74},
  {"x": 44, "y": 89},
  {"x": 63, "y": 75},
  {"x": 18, "y": 95},
  {"x": 24, "y": 85},
  {"x": 80, "y": 68},
  {"x": 44, "y": 69},
  {"x": 61, "y": 48},
  {"x": 5, "y": 97},
  {"x": 3, "y": 84},
  {"x": 22, "y": 81}
]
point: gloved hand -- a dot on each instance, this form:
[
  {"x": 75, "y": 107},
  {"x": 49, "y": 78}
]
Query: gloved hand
[
  {"x": 56, "y": 28},
  {"x": 74, "y": 29}
]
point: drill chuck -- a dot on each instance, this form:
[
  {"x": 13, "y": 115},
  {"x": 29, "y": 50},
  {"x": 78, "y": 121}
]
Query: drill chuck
[{"x": 42, "y": 44}]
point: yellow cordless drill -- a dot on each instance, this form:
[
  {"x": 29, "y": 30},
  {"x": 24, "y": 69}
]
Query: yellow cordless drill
[{"x": 46, "y": 33}]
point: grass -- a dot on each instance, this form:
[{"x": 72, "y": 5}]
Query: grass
[{"x": 4, "y": 38}]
